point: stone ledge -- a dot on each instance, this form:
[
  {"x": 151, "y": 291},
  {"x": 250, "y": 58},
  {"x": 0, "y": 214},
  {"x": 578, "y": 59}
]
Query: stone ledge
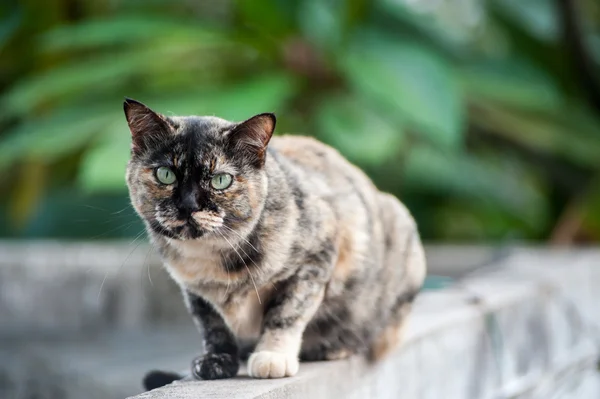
[
  {"x": 476, "y": 339},
  {"x": 72, "y": 288},
  {"x": 518, "y": 330}
]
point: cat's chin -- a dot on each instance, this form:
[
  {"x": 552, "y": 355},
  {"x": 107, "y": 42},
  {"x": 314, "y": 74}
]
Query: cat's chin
[
  {"x": 189, "y": 232},
  {"x": 182, "y": 233}
]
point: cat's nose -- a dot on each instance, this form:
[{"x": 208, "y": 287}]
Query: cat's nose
[{"x": 189, "y": 203}]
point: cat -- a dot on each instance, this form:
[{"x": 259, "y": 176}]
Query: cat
[{"x": 283, "y": 250}]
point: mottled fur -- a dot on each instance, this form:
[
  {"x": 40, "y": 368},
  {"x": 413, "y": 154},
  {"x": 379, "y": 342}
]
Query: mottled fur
[{"x": 301, "y": 257}]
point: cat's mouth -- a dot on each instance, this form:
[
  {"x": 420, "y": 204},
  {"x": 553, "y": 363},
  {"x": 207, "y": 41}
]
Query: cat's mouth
[
  {"x": 196, "y": 226},
  {"x": 186, "y": 230},
  {"x": 190, "y": 231}
]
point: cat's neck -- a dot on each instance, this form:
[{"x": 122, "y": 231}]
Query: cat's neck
[{"x": 202, "y": 248}]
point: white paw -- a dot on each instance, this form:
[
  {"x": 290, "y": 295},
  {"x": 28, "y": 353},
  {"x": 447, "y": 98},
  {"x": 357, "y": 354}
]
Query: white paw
[{"x": 267, "y": 364}]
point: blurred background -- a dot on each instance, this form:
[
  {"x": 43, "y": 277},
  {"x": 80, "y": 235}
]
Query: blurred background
[{"x": 482, "y": 116}]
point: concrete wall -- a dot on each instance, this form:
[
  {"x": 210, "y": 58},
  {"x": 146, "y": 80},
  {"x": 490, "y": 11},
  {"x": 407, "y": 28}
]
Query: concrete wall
[
  {"x": 74, "y": 288},
  {"x": 86, "y": 320},
  {"x": 62, "y": 288},
  {"x": 523, "y": 329}
]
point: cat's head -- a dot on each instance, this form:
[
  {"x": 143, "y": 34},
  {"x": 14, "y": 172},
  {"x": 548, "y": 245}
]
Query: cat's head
[{"x": 195, "y": 176}]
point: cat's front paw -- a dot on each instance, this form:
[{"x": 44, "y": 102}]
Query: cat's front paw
[
  {"x": 267, "y": 364},
  {"x": 214, "y": 366}
]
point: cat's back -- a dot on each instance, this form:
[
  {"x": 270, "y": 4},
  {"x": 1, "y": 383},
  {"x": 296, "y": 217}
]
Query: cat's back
[{"x": 320, "y": 165}]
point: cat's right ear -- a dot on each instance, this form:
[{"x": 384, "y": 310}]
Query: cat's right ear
[
  {"x": 250, "y": 138},
  {"x": 146, "y": 126}
]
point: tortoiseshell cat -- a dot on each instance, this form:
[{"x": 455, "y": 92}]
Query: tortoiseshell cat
[{"x": 281, "y": 247}]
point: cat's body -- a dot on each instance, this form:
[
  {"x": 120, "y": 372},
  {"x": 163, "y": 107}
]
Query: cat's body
[{"x": 300, "y": 255}]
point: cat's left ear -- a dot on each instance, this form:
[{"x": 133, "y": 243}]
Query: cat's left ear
[{"x": 252, "y": 136}]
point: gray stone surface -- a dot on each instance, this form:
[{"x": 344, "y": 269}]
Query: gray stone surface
[
  {"x": 73, "y": 288},
  {"x": 86, "y": 321},
  {"x": 107, "y": 366},
  {"x": 521, "y": 330}
]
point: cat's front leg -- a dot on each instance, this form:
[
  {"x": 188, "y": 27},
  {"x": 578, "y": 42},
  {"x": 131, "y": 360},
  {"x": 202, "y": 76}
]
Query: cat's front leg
[
  {"x": 220, "y": 358},
  {"x": 286, "y": 318}
]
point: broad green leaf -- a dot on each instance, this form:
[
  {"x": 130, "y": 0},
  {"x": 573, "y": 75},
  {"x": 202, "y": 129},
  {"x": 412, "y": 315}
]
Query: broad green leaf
[
  {"x": 594, "y": 44},
  {"x": 409, "y": 80},
  {"x": 129, "y": 31},
  {"x": 241, "y": 101},
  {"x": 322, "y": 21},
  {"x": 475, "y": 220},
  {"x": 54, "y": 136},
  {"x": 236, "y": 101},
  {"x": 538, "y": 17},
  {"x": 512, "y": 82},
  {"x": 357, "y": 131},
  {"x": 74, "y": 126},
  {"x": 468, "y": 176},
  {"x": 103, "y": 168},
  {"x": 270, "y": 18},
  {"x": 566, "y": 135},
  {"x": 108, "y": 73},
  {"x": 452, "y": 26},
  {"x": 9, "y": 25}
]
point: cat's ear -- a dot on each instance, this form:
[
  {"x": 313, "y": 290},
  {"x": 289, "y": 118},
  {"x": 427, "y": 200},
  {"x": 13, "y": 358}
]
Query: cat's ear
[
  {"x": 146, "y": 126},
  {"x": 251, "y": 137}
]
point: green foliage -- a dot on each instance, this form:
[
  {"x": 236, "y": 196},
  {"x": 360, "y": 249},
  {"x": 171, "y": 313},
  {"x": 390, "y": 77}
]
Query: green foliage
[
  {"x": 410, "y": 80},
  {"x": 470, "y": 112},
  {"x": 360, "y": 133}
]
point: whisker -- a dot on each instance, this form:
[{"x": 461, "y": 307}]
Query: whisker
[
  {"x": 113, "y": 215},
  {"x": 247, "y": 242},
  {"x": 124, "y": 227},
  {"x": 141, "y": 280},
  {"x": 149, "y": 276},
  {"x": 242, "y": 249},
  {"x": 228, "y": 281},
  {"x": 140, "y": 234},
  {"x": 112, "y": 218},
  {"x": 250, "y": 244},
  {"x": 97, "y": 208},
  {"x": 242, "y": 238},
  {"x": 148, "y": 265},
  {"x": 122, "y": 210},
  {"x": 93, "y": 207},
  {"x": 247, "y": 268}
]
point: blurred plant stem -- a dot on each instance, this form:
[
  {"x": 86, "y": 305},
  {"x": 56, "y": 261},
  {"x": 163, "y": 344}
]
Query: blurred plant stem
[
  {"x": 569, "y": 13},
  {"x": 579, "y": 221},
  {"x": 28, "y": 191}
]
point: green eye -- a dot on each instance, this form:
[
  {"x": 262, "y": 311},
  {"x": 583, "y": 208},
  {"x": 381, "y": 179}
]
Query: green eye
[
  {"x": 221, "y": 182},
  {"x": 165, "y": 175}
]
